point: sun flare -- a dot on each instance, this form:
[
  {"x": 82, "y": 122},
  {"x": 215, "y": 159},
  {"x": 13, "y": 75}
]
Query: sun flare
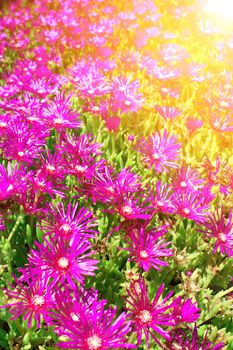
[{"x": 220, "y": 8}]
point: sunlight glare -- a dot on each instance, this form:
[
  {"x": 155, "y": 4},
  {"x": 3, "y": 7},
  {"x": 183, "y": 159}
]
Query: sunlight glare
[{"x": 220, "y": 8}]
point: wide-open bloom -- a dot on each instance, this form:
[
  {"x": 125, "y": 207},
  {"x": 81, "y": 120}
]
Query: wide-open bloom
[
  {"x": 130, "y": 208},
  {"x": 220, "y": 227},
  {"x": 42, "y": 183},
  {"x": 41, "y": 87},
  {"x": 220, "y": 123},
  {"x": 97, "y": 329},
  {"x": 192, "y": 206},
  {"x": 52, "y": 165},
  {"x": 22, "y": 143},
  {"x": 186, "y": 179},
  {"x": 70, "y": 222},
  {"x": 180, "y": 340},
  {"x": 70, "y": 306},
  {"x": 31, "y": 297},
  {"x": 12, "y": 181},
  {"x": 91, "y": 83},
  {"x": 63, "y": 262},
  {"x": 147, "y": 249},
  {"x": 108, "y": 187},
  {"x": 148, "y": 316},
  {"x": 82, "y": 148},
  {"x": 160, "y": 151},
  {"x": 161, "y": 197},
  {"x": 185, "y": 311},
  {"x": 59, "y": 115}
]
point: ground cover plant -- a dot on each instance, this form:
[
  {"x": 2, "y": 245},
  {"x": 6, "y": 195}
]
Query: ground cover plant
[{"x": 116, "y": 175}]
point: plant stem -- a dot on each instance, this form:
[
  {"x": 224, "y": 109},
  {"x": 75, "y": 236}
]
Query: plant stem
[{"x": 18, "y": 221}]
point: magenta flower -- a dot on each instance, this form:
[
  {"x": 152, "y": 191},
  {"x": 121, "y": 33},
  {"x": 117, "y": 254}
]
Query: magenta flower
[
  {"x": 59, "y": 115},
  {"x": 180, "y": 340},
  {"x": 108, "y": 187},
  {"x": 91, "y": 84},
  {"x": 52, "y": 166},
  {"x": 70, "y": 306},
  {"x": 186, "y": 179},
  {"x": 82, "y": 148},
  {"x": 42, "y": 87},
  {"x": 160, "y": 151},
  {"x": 131, "y": 209},
  {"x": 148, "y": 316},
  {"x": 22, "y": 143},
  {"x": 84, "y": 171},
  {"x": 185, "y": 311},
  {"x": 167, "y": 112},
  {"x": 43, "y": 184},
  {"x": 112, "y": 123},
  {"x": 12, "y": 182},
  {"x": 98, "y": 329},
  {"x": 220, "y": 227},
  {"x": 102, "y": 186},
  {"x": 70, "y": 222},
  {"x": 193, "y": 124},
  {"x": 147, "y": 249},
  {"x": 191, "y": 206},
  {"x": 32, "y": 298},
  {"x": 161, "y": 198},
  {"x": 62, "y": 261},
  {"x": 127, "y": 101}
]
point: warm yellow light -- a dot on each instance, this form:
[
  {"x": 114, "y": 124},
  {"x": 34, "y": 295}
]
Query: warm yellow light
[{"x": 220, "y": 8}]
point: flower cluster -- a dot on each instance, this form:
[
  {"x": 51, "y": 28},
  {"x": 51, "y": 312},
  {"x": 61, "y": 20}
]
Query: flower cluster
[{"x": 116, "y": 175}]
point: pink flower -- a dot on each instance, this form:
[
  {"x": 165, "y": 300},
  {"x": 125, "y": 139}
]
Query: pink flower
[
  {"x": 31, "y": 297},
  {"x": 220, "y": 227},
  {"x": 148, "y": 316},
  {"x": 191, "y": 206},
  {"x": 63, "y": 261},
  {"x": 185, "y": 311},
  {"x": 108, "y": 187},
  {"x": 186, "y": 179},
  {"x": 113, "y": 123},
  {"x": 91, "y": 84},
  {"x": 59, "y": 115},
  {"x": 147, "y": 249},
  {"x": 193, "y": 124},
  {"x": 131, "y": 209},
  {"x": 160, "y": 151},
  {"x": 22, "y": 143},
  {"x": 98, "y": 329},
  {"x": 161, "y": 198},
  {"x": 12, "y": 182},
  {"x": 168, "y": 112},
  {"x": 70, "y": 222}
]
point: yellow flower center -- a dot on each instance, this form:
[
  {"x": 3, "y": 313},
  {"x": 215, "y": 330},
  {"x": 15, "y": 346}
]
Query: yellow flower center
[
  {"x": 186, "y": 211},
  {"x": 222, "y": 237},
  {"x": 66, "y": 228},
  {"x": 127, "y": 210},
  {"x": 63, "y": 262},
  {"x": 143, "y": 254},
  {"x": 145, "y": 316},
  {"x": 38, "y": 300},
  {"x": 156, "y": 156},
  {"x": 75, "y": 317},
  {"x": 94, "y": 342}
]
